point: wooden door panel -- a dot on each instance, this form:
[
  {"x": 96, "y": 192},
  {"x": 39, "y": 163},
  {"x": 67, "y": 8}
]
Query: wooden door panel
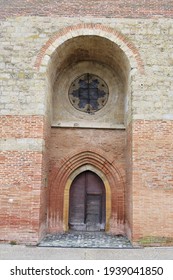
[
  {"x": 77, "y": 205},
  {"x": 87, "y": 202},
  {"x": 94, "y": 183},
  {"x": 93, "y": 210}
]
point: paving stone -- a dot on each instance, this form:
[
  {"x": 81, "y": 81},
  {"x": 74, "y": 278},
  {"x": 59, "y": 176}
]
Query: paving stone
[{"x": 85, "y": 240}]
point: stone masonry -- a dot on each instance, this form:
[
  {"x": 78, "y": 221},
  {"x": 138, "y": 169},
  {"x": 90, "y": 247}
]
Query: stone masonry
[{"x": 39, "y": 42}]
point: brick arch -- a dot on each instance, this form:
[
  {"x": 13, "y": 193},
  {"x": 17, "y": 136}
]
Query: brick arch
[
  {"x": 85, "y": 29},
  {"x": 60, "y": 180}
]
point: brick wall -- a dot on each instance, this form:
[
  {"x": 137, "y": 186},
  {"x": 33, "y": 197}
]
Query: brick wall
[
  {"x": 20, "y": 195},
  {"x": 152, "y": 179},
  {"x": 129, "y": 184},
  {"x": 21, "y": 178},
  {"x": 17, "y": 127},
  {"x": 64, "y": 141},
  {"x": 94, "y": 8},
  {"x": 24, "y": 96},
  {"x": 72, "y": 148}
]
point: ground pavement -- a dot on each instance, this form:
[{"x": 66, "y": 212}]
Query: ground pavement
[{"x": 84, "y": 246}]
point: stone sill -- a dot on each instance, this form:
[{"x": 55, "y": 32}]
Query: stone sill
[{"x": 87, "y": 125}]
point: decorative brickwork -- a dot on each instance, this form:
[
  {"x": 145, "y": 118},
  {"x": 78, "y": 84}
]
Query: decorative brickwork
[
  {"x": 92, "y": 29},
  {"x": 61, "y": 175},
  {"x": 64, "y": 162}
]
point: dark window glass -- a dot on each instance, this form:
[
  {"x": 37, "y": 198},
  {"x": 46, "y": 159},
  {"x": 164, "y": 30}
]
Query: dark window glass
[{"x": 88, "y": 93}]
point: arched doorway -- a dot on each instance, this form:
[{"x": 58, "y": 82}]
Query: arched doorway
[
  {"x": 87, "y": 203},
  {"x": 74, "y": 62}
]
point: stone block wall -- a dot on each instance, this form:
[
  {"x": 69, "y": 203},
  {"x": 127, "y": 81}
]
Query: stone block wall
[{"x": 25, "y": 118}]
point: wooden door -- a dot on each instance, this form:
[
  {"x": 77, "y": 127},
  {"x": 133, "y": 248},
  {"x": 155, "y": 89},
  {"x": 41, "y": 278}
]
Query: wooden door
[
  {"x": 87, "y": 203},
  {"x": 93, "y": 212}
]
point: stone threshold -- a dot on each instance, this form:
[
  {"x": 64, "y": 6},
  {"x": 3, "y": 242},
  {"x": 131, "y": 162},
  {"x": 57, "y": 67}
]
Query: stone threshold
[{"x": 76, "y": 239}]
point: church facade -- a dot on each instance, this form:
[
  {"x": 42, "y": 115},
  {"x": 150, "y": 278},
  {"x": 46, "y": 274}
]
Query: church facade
[{"x": 86, "y": 118}]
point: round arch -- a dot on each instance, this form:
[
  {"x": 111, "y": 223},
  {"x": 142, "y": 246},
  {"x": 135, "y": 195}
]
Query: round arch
[
  {"x": 69, "y": 32},
  {"x": 87, "y": 167},
  {"x": 103, "y": 49}
]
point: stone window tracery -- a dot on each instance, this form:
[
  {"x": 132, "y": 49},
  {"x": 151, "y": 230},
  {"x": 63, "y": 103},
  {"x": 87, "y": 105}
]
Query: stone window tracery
[{"x": 88, "y": 93}]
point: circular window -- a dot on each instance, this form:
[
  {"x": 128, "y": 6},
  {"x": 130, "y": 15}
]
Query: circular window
[{"x": 88, "y": 93}]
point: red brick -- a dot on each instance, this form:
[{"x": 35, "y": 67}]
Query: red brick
[{"x": 92, "y": 8}]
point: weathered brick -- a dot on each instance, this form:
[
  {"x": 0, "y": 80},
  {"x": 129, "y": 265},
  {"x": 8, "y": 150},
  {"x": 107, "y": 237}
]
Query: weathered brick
[
  {"x": 134, "y": 154},
  {"x": 92, "y": 8}
]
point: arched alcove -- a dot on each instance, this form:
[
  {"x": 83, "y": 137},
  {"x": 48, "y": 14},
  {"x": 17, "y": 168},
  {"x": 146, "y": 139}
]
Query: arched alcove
[
  {"x": 98, "y": 56},
  {"x": 100, "y": 52}
]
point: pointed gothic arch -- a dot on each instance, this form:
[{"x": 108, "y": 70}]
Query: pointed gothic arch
[
  {"x": 64, "y": 174},
  {"x": 68, "y": 186}
]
